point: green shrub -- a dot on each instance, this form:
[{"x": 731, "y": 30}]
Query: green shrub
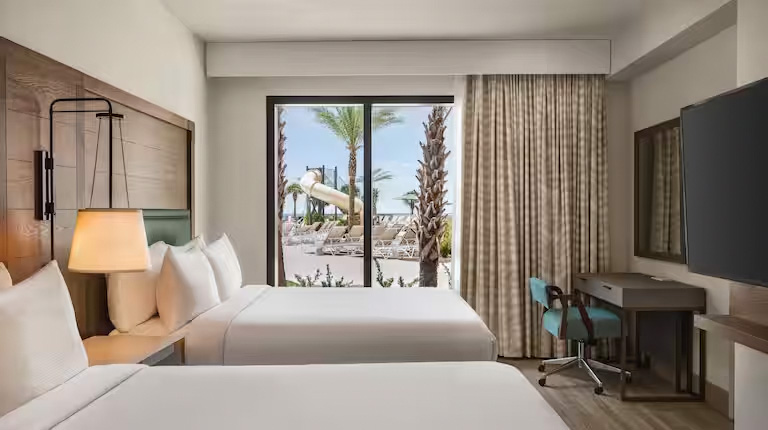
[
  {"x": 313, "y": 218},
  {"x": 446, "y": 240}
]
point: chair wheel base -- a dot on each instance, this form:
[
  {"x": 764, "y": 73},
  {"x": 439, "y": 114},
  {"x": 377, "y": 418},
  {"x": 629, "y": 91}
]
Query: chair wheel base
[
  {"x": 598, "y": 390},
  {"x": 542, "y": 381},
  {"x": 541, "y": 368}
]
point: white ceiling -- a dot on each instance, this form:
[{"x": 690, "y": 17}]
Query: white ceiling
[{"x": 273, "y": 20}]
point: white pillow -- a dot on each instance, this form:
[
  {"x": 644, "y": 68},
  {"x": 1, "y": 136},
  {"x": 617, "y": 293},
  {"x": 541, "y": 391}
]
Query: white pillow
[
  {"x": 131, "y": 297},
  {"x": 40, "y": 347},
  {"x": 186, "y": 287},
  {"x": 225, "y": 266},
  {"x": 5, "y": 277},
  {"x": 196, "y": 242}
]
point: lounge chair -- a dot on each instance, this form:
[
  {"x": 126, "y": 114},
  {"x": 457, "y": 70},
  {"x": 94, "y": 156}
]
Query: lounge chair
[
  {"x": 382, "y": 244},
  {"x": 408, "y": 245},
  {"x": 332, "y": 237},
  {"x": 348, "y": 243}
]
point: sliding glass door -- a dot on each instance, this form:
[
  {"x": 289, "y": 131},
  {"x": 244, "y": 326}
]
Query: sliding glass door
[
  {"x": 404, "y": 174},
  {"x": 343, "y": 198}
]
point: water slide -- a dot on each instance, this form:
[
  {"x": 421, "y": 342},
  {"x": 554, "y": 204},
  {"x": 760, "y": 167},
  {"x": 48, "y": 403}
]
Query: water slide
[{"x": 313, "y": 187}]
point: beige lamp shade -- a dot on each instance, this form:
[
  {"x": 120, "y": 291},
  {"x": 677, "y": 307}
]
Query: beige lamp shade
[{"x": 109, "y": 241}]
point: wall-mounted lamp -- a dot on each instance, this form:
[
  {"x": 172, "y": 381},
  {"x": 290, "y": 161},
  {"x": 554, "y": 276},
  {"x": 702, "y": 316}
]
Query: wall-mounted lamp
[{"x": 43, "y": 170}]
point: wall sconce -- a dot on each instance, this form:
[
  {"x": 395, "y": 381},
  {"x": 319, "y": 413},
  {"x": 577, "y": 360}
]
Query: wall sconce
[{"x": 43, "y": 168}]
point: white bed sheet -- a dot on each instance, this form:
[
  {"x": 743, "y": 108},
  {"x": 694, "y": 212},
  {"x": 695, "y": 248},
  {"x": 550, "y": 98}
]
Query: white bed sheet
[
  {"x": 445, "y": 396},
  {"x": 265, "y": 325}
]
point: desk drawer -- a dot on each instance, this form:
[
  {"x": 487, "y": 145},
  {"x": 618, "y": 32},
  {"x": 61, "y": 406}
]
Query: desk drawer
[{"x": 598, "y": 289}]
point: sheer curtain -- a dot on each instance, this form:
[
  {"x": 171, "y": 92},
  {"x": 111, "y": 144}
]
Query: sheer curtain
[
  {"x": 666, "y": 202},
  {"x": 534, "y": 197}
]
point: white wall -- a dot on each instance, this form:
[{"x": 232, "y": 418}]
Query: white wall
[
  {"x": 705, "y": 70},
  {"x": 620, "y": 189},
  {"x": 751, "y": 389},
  {"x": 751, "y": 367},
  {"x": 136, "y": 45},
  {"x": 753, "y": 40},
  {"x": 237, "y": 117},
  {"x": 403, "y": 58},
  {"x": 658, "y": 22}
]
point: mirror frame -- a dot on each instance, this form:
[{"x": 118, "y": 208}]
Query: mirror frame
[{"x": 639, "y": 135}]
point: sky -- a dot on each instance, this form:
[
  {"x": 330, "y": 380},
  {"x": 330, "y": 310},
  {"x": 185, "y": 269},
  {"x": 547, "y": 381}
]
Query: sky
[{"x": 395, "y": 149}]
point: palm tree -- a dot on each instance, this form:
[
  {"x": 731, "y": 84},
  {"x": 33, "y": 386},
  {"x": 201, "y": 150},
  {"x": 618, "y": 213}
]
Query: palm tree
[
  {"x": 346, "y": 123},
  {"x": 379, "y": 175},
  {"x": 294, "y": 190},
  {"x": 345, "y": 189},
  {"x": 281, "y": 183},
  {"x": 432, "y": 177}
]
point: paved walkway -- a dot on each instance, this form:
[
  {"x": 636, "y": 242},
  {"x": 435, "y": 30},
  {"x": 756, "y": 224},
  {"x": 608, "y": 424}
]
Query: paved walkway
[{"x": 297, "y": 262}]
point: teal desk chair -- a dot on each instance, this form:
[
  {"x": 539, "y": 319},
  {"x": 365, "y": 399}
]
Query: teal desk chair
[{"x": 577, "y": 322}]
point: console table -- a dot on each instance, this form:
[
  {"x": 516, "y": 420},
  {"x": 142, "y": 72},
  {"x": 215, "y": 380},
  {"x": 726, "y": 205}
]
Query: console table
[{"x": 636, "y": 292}]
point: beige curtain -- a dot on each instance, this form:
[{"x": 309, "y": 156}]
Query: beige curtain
[
  {"x": 534, "y": 197},
  {"x": 665, "y": 212}
]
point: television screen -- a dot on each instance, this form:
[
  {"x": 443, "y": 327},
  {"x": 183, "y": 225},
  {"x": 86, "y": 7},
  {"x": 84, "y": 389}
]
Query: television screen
[{"x": 725, "y": 173}]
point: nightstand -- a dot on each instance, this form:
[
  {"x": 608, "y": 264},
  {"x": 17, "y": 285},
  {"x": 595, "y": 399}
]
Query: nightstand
[{"x": 127, "y": 349}]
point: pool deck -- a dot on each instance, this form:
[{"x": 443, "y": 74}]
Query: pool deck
[{"x": 299, "y": 262}]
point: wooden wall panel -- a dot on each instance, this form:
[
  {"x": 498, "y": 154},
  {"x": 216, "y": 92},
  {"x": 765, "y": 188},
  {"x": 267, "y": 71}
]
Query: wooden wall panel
[
  {"x": 749, "y": 302},
  {"x": 27, "y": 237},
  {"x": 34, "y": 81},
  {"x": 157, "y": 149},
  {"x": 155, "y": 157},
  {"x": 28, "y": 131}
]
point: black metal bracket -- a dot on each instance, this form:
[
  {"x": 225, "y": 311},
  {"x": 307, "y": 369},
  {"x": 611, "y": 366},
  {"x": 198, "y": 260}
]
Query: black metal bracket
[
  {"x": 43, "y": 168},
  {"x": 45, "y": 207}
]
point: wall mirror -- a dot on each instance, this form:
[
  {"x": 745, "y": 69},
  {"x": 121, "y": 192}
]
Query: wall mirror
[{"x": 659, "y": 220}]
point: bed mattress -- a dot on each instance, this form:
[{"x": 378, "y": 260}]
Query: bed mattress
[
  {"x": 265, "y": 325},
  {"x": 445, "y": 396}
]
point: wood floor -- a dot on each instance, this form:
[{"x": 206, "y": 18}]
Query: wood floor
[{"x": 570, "y": 394}]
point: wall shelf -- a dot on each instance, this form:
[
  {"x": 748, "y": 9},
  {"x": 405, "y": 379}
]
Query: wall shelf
[{"x": 737, "y": 329}]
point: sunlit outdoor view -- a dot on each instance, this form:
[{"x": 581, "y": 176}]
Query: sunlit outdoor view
[{"x": 324, "y": 195}]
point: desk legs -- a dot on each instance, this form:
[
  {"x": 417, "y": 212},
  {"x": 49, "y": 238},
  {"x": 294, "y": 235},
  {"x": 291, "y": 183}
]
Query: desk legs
[
  {"x": 623, "y": 355},
  {"x": 684, "y": 332},
  {"x": 681, "y": 350},
  {"x": 702, "y": 361}
]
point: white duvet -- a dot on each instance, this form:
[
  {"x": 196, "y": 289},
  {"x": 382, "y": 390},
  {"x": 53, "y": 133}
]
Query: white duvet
[
  {"x": 265, "y": 325},
  {"x": 444, "y": 396}
]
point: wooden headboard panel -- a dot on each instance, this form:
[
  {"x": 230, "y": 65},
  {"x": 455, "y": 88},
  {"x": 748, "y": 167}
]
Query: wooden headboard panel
[{"x": 159, "y": 154}]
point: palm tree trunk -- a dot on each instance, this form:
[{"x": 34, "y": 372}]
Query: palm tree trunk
[
  {"x": 294, "y": 207},
  {"x": 282, "y": 182},
  {"x": 431, "y": 203},
  {"x": 281, "y": 258},
  {"x": 428, "y": 273},
  {"x": 352, "y": 174}
]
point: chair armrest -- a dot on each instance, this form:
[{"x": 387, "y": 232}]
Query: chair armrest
[{"x": 557, "y": 294}]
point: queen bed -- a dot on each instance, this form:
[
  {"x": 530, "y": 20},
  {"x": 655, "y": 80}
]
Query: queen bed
[
  {"x": 441, "y": 396},
  {"x": 47, "y": 385},
  {"x": 267, "y": 325}
]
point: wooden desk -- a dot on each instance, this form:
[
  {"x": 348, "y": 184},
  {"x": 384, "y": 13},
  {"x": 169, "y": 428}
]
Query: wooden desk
[{"x": 636, "y": 292}]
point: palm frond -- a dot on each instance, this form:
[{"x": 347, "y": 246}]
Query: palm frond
[
  {"x": 383, "y": 117},
  {"x": 346, "y": 122},
  {"x": 294, "y": 188}
]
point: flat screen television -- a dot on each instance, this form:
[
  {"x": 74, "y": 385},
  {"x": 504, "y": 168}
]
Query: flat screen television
[{"x": 725, "y": 184}]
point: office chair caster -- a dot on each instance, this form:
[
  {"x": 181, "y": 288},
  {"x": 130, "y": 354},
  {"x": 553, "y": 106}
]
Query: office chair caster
[
  {"x": 542, "y": 381},
  {"x": 541, "y": 367},
  {"x": 599, "y": 390}
]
